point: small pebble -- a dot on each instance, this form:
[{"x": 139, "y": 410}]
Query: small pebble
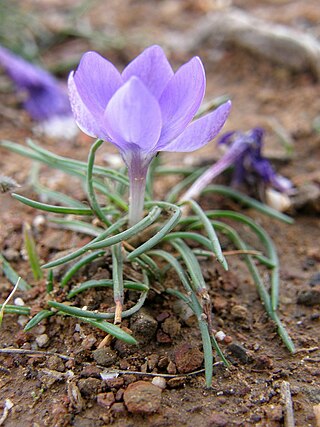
[
  {"x": 220, "y": 336},
  {"x": 19, "y": 302},
  {"x": 39, "y": 222},
  {"x": 118, "y": 408},
  {"x": 55, "y": 363},
  {"x": 176, "y": 382},
  {"x": 309, "y": 297},
  {"x": 105, "y": 399},
  {"x": 42, "y": 340},
  {"x": 89, "y": 387},
  {"x": 239, "y": 352},
  {"x": 218, "y": 419},
  {"x": 142, "y": 397},
  {"x": 159, "y": 382},
  {"x": 187, "y": 358},
  {"x": 171, "y": 326},
  {"x": 171, "y": 368},
  {"x": 152, "y": 361},
  {"x": 22, "y": 320},
  {"x": 143, "y": 326},
  {"x": 90, "y": 371},
  {"x": 88, "y": 342},
  {"x": 227, "y": 339},
  {"x": 105, "y": 356},
  {"x": 239, "y": 312}
]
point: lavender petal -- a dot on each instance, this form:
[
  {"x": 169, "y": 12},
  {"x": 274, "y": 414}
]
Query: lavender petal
[
  {"x": 133, "y": 116},
  {"x": 200, "y": 132},
  {"x": 85, "y": 120},
  {"x": 181, "y": 99},
  {"x": 96, "y": 80},
  {"x": 152, "y": 68}
]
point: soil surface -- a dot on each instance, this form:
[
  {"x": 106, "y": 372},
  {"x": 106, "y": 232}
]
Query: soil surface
[{"x": 49, "y": 390}]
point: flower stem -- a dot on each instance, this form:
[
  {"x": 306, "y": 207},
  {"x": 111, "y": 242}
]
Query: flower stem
[
  {"x": 138, "y": 165},
  {"x": 220, "y": 166},
  {"x": 136, "y": 199}
]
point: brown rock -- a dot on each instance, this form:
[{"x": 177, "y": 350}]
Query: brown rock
[
  {"x": 105, "y": 356},
  {"x": 114, "y": 383},
  {"x": 171, "y": 368},
  {"x": 118, "y": 408},
  {"x": 163, "y": 338},
  {"x": 142, "y": 397},
  {"x": 143, "y": 326},
  {"x": 105, "y": 399},
  {"x": 171, "y": 326},
  {"x": 90, "y": 371},
  {"x": 187, "y": 358},
  {"x": 176, "y": 382},
  {"x": 239, "y": 312},
  {"x": 55, "y": 363},
  {"x": 89, "y": 387},
  {"x": 218, "y": 420},
  {"x": 309, "y": 297}
]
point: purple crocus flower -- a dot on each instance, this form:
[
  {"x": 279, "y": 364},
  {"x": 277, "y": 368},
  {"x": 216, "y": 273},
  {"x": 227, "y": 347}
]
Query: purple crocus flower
[
  {"x": 45, "y": 97},
  {"x": 244, "y": 153},
  {"x": 146, "y": 109}
]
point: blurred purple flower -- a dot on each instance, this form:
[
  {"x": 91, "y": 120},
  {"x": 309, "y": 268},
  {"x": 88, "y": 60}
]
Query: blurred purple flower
[
  {"x": 45, "y": 97},
  {"x": 146, "y": 109},
  {"x": 244, "y": 154},
  {"x": 251, "y": 163}
]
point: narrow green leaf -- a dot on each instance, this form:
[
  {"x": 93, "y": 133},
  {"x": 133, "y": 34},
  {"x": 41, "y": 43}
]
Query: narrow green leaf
[
  {"x": 51, "y": 208},
  {"x": 117, "y": 273},
  {"x": 164, "y": 230},
  {"x": 75, "y": 225},
  {"x": 114, "y": 227},
  {"x": 90, "y": 187},
  {"x": 108, "y": 283},
  {"x": 130, "y": 232},
  {"x": 12, "y": 275},
  {"x": 216, "y": 248},
  {"x": 43, "y": 314},
  {"x": 192, "y": 264},
  {"x": 248, "y": 201},
  {"x": 16, "y": 309},
  {"x": 81, "y": 263},
  {"x": 31, "y": 250},
  {"x": 49, "y": 282},
  {"x": 113, "y": 330}
]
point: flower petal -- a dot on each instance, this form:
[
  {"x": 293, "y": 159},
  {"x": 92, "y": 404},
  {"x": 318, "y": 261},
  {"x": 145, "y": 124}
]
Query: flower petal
[
  {"x": 96, "y": 80},
  {"x": 200, "y": 132},
  {"x": 152, "y": 68},
  {"x": 133, "y": 116},
  {"x": 85, "y": 120},
  {"x": 181, "y": 99}
]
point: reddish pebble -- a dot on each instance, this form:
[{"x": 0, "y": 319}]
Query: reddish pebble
[{"x": 142, "y": 397}]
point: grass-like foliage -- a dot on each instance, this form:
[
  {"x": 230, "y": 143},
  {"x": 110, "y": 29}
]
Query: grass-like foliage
[{"x": 165, "y": 233}]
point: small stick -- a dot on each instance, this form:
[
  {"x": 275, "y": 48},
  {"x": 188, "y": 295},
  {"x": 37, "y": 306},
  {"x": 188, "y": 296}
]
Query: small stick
[
  {"x": 106, "y": 341},
  {"x": 118, "y": 313},
  {"x": 288, "y": 407}
]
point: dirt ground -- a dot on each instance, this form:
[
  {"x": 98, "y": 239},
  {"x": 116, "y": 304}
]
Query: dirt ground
[{"x": 47, "y": 390}]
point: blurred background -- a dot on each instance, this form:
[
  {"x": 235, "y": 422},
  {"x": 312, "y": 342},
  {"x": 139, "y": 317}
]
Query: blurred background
[{"x": 264, "y": 55}]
